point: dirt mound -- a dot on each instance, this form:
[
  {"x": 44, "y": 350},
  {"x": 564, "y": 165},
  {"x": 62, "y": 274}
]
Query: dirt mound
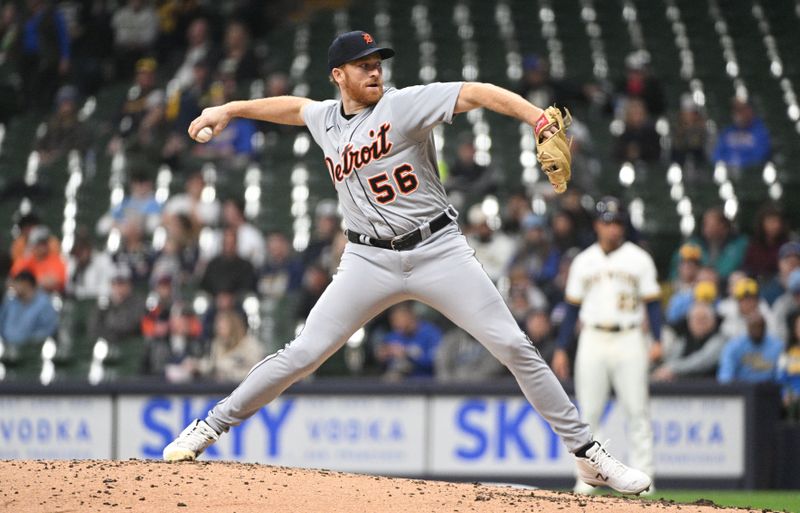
[{"x": 151, "y": 486}]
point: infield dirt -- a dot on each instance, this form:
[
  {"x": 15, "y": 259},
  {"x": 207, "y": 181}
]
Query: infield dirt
[{"x": 219, "y": 487}]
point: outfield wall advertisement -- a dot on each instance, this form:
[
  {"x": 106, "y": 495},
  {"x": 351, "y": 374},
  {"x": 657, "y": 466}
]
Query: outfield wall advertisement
[
  {"x": 65, "y": 427},
  {"x": 405, "y": 435},
  {"x": 360, "y": 434},
  {"x": 504, "y": 436}
]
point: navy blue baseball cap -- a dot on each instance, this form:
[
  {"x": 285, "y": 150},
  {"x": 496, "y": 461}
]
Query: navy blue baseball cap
[
  {"x": 354, "y": 45},
  {"x": 611, "y": 210}
]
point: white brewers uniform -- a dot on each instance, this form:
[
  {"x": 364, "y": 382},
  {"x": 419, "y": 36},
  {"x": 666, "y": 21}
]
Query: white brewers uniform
[{"x": 612, "y": 290}]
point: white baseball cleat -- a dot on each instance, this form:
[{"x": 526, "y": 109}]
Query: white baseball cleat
[
  {"x": 650, "y": 492},
  {"x": 599, "y": 468},
  {"x": 191, "y": 442}
]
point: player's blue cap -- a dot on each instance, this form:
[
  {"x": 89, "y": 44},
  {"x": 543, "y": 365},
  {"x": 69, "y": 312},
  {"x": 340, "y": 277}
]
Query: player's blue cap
[
  {"x": 610, "y": 210},
  {"x": 354, "y": 45}
]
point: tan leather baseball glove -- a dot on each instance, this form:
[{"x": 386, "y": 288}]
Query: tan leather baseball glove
[{"x": 552, "y": 149}]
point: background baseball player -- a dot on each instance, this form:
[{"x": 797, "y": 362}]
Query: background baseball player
[
  {"x": 380, "y": 155},
  {"x": 609, "y": 283}
]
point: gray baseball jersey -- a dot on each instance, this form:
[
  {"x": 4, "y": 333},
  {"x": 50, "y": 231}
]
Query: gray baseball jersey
[
  {"x": 383, "y": 164},
  {"x": 382, "y": 161}
]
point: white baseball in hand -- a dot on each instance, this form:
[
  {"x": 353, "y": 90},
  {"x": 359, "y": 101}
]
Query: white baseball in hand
[{"x": 204, "y": 135}]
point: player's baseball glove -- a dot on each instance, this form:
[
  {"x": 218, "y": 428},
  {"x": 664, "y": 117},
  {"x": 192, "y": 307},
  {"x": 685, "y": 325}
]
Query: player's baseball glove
[{"x": 553, "y": 150}]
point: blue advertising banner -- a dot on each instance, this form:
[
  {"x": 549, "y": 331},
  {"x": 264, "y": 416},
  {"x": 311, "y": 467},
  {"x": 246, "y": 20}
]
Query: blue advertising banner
[
  {"x": 504, "y": 436},
  {"x": 450, "y": 435},
  {"x": 354, "y": 433}
]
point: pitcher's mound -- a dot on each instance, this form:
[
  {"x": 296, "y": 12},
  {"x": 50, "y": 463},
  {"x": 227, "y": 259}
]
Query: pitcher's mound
[{"x": 217, "y": 487}]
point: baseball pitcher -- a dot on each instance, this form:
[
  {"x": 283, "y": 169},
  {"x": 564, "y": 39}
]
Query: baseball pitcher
[{"x": 403, "y": 240}]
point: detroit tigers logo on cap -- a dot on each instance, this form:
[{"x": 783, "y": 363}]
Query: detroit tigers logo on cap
[{"x": 354, "y": 45}]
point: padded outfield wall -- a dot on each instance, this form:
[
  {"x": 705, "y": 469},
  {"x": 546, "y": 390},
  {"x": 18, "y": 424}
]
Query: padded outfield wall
[{"x": 705, "y": 435}]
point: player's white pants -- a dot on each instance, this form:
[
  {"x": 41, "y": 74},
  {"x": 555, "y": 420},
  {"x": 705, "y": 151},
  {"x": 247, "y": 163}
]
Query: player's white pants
[
  {"x": 442, "y": 272},
  {"x": 620, "y": 360}
]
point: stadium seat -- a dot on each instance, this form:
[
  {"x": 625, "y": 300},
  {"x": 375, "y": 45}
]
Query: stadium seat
[{"x": 23, "y": 363}]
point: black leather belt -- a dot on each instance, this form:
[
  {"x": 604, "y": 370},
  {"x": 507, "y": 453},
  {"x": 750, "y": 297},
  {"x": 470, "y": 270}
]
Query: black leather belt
[
  {"x": 407, "y": 240},
  {"x": 611, "y": 328}
]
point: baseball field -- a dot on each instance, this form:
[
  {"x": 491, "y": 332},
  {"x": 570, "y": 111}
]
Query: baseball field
[
  {"x": 137, "y": 485},
  {"x": 777, "y": 500}
]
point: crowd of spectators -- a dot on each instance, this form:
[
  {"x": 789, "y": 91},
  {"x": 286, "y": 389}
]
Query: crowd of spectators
[
  {"x": 726, "y": 319},
  {"x": 637, "y": 104},
  {"x": 185, "y": 299}
]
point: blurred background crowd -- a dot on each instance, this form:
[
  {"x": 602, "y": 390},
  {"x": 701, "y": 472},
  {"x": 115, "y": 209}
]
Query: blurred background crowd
[{"x": 173, "y": 269}]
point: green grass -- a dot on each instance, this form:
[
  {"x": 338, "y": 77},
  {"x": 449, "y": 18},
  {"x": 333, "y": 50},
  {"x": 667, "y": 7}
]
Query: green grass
[{"x": 777, "y": 500}]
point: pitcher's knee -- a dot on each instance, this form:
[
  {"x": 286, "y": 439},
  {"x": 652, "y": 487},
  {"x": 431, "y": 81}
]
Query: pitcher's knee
[
  {"x": 302, "y": 359},
  {"x": 307, "y": 362}
]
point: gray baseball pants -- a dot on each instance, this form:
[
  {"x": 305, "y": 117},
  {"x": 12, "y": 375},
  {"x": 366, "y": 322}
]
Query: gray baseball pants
[{"x": 441, "y": 272}]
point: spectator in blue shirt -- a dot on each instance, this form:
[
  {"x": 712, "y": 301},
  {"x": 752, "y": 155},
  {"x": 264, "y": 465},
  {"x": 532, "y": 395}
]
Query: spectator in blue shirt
[
  {"x": 789, "y": 369},
  {"x": 752, "y": 357},
  {"x": 746, "y": 142},
  {"x": 536, "y": 252},
  {"x": 139, "y": 204},
  {"x": 409, "y": 349},
  {"x": 689, "y": 272},
  {"x": 28, "y": 315},
  {"x": 141, "y": 199},
  {"x": 45, "y": 52},
  {"x": 233, "y": 147}
]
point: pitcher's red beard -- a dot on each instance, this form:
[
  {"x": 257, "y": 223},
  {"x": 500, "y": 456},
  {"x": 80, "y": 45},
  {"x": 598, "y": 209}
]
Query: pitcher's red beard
[{"x": 365, "y": 93}]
